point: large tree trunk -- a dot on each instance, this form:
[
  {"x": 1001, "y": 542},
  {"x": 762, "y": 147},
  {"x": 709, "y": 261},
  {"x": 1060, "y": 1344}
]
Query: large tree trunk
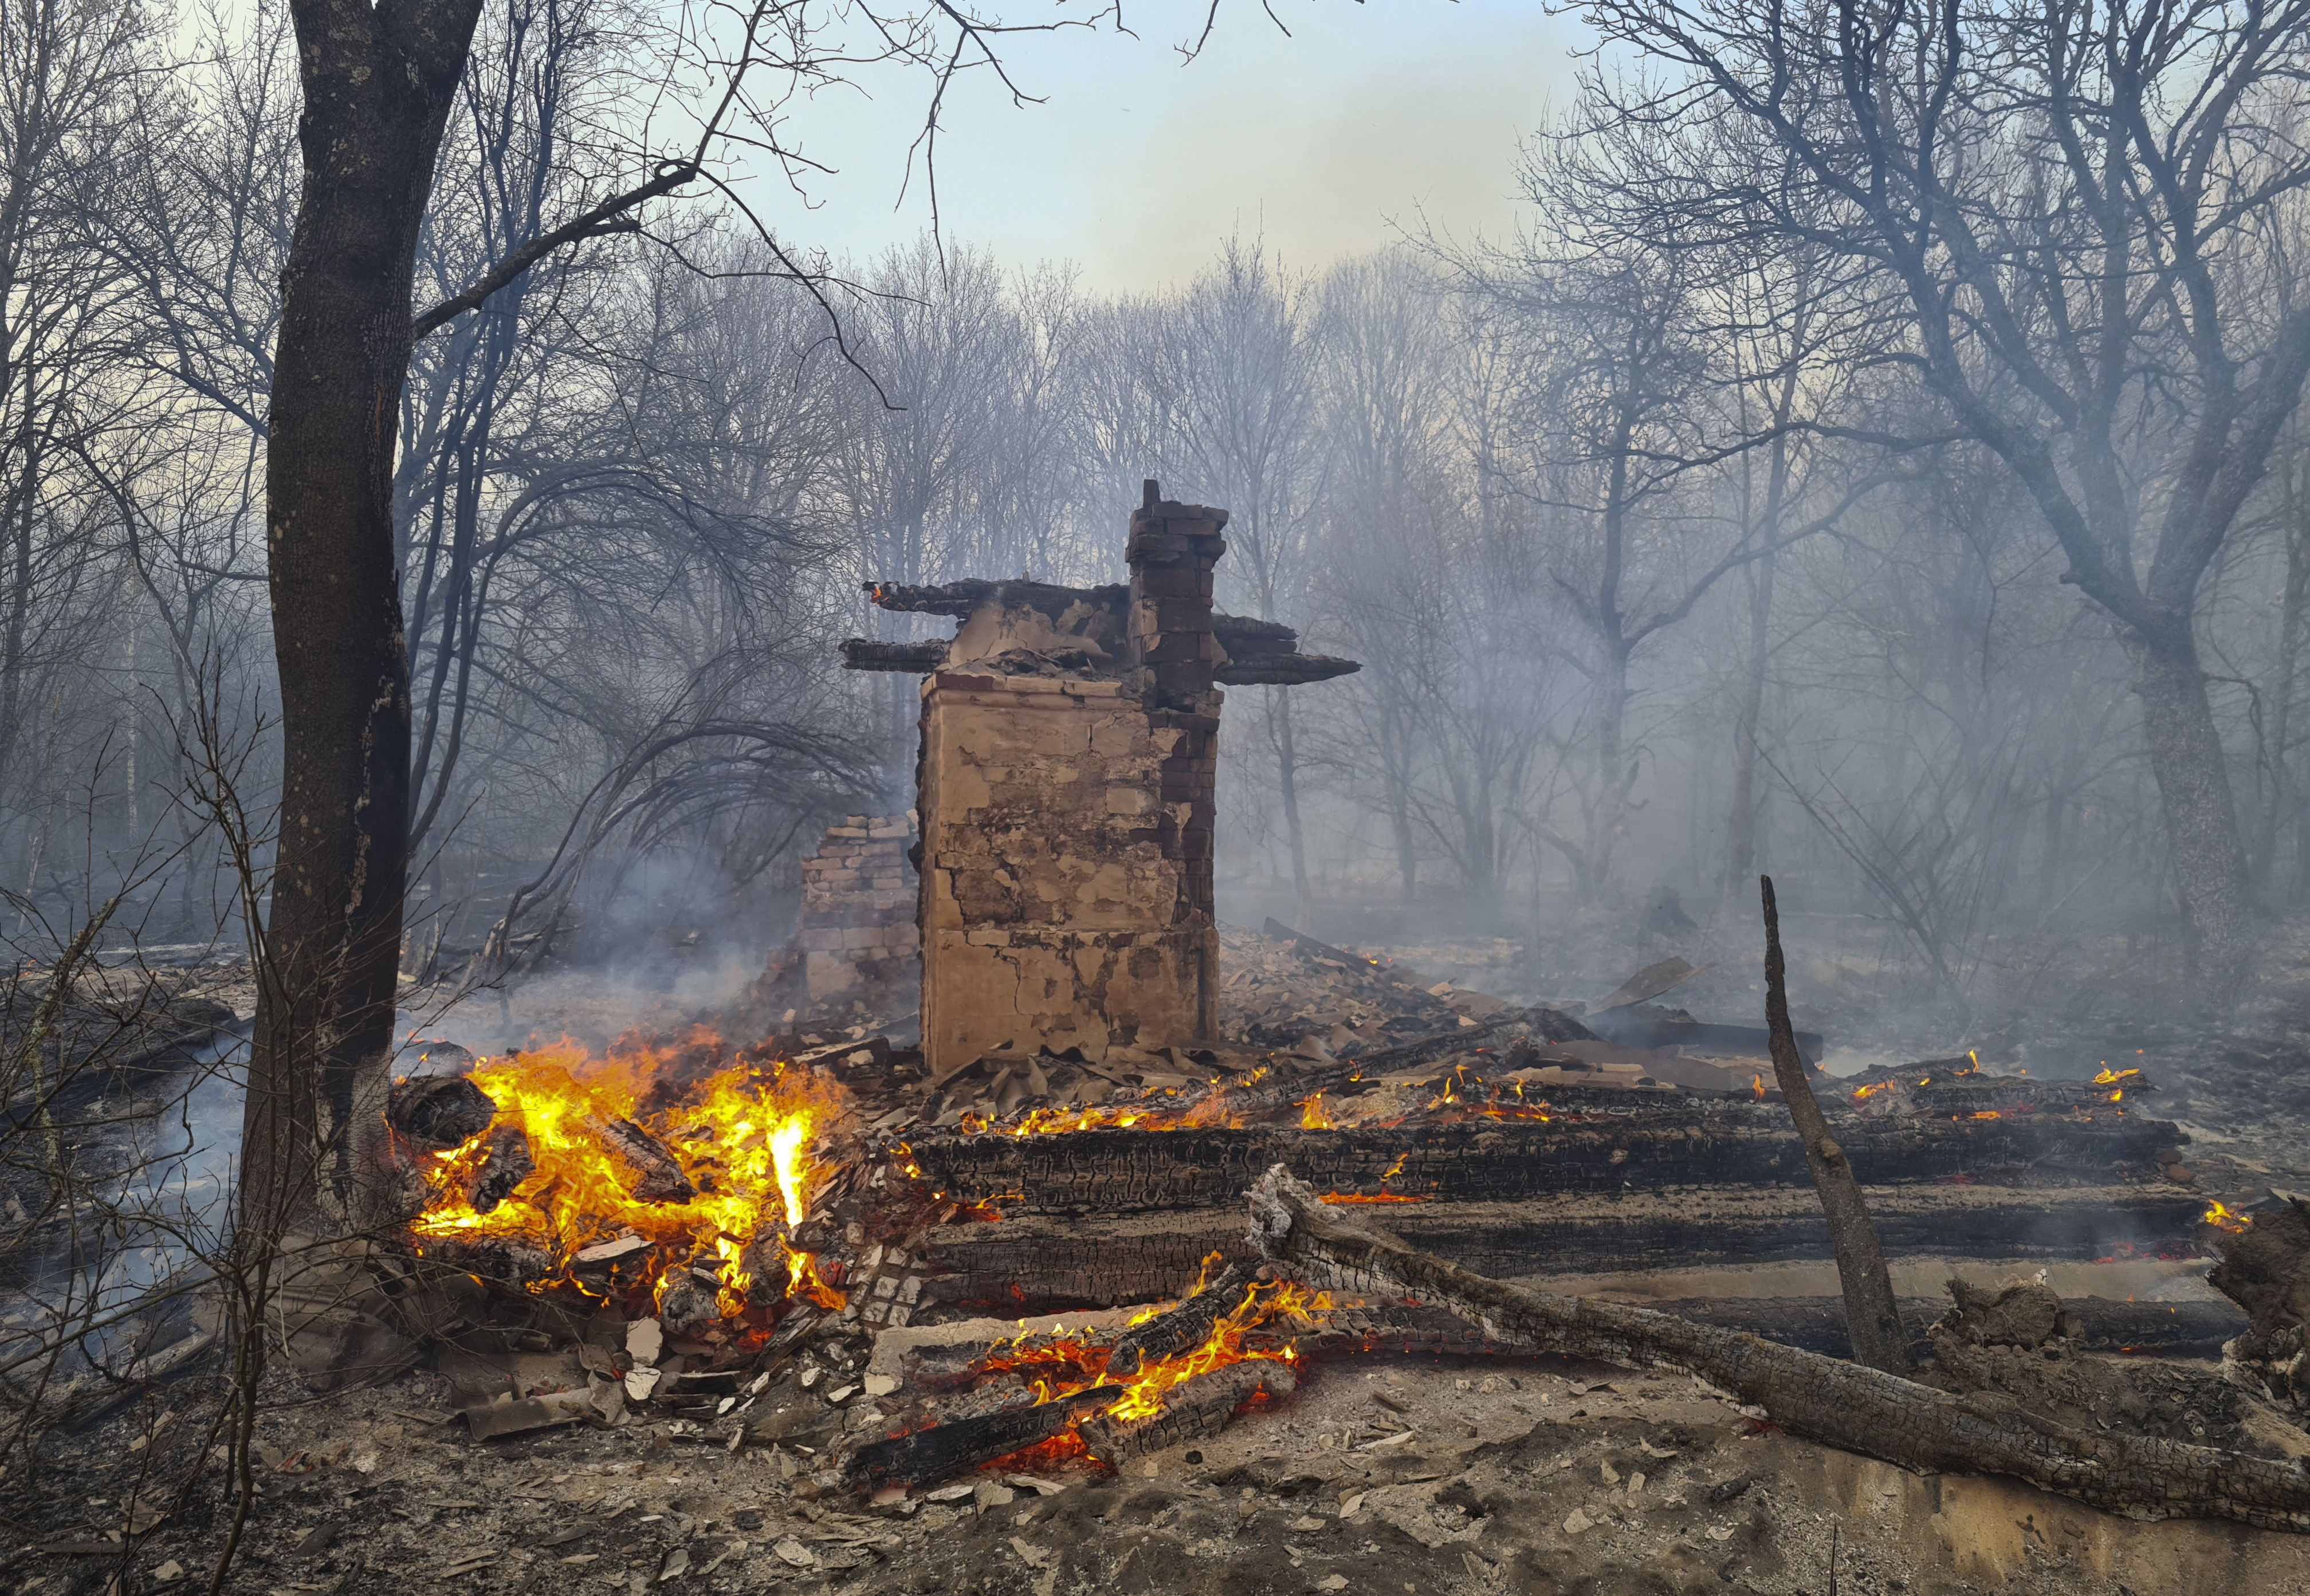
[
  {"x": 378, "y": 87},
  {"x": 2193, "y": 790}
]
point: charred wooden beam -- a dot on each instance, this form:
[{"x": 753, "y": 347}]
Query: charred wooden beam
[
  {"x": 1046, "y": 1264},
  {"x": 865, "y": 654},
  {"x": 1845, "y": 1405},
  {"x": 1283, "y": 669},
  {"x": 1672, "y": 1143}
]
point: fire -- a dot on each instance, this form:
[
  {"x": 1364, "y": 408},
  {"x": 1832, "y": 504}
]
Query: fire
[
  {"x": 1757, "y": 1085},
  {"x": 2222, "y": 1216},
  {"x": 1337, "y": 1198},
  {"x": 2109, "y": 1077},
  {"x": 1314, "y": 1116},
  {"x": 1862, "y": 1094},
  {"x": 1070, "y": 1365},
  {"x": 741, "y": 1140},
  {"x": 1988, "y": 1114}
]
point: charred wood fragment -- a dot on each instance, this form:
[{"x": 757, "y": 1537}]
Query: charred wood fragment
[
  {"x": 1871, "y": 1316},
  {"x": 1845, "y": 1405},
  {"x": 926, "y": 1455},
  {"x": 2265, "y": 1269}
]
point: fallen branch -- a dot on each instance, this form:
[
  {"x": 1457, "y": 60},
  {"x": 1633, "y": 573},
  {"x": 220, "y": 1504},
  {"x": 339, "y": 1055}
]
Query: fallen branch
[{"x": 1845, "y": 1405}]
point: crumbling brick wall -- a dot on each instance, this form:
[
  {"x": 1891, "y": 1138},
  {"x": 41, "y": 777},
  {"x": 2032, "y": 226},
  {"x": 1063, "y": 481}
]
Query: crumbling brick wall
[{"x": 857, "y": 929}]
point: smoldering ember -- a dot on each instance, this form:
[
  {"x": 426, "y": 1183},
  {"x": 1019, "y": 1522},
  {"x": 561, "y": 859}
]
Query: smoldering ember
[{"x": 1481, "y": 801}]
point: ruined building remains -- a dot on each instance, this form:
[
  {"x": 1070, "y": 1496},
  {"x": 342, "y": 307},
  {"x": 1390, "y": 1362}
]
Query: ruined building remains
[
  {"x": 858, "y": 932},
  {"x": 1066, "y": 791}
]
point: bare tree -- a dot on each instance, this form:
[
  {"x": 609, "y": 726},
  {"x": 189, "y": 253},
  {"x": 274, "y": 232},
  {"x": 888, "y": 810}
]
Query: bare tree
[{"x": 2065, "y": 205}]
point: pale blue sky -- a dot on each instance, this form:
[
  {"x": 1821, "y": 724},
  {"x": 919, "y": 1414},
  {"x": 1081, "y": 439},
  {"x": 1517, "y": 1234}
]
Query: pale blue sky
[{"x": 1135, "y": 166}]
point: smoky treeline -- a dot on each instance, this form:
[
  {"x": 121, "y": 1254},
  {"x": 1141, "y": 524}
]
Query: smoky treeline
[{"x": 1870, "y": 459}]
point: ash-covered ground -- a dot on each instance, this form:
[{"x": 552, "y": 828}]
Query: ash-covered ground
[{"x": 1379, "y": 1474}]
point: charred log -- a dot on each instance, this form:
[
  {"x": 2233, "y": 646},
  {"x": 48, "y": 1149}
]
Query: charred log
[
  {"x": 1182, "y": 1328},
  {"x": 931, "y": 1454},
  {"x": 504, "y": 1164},
  {"x": 1845, "y": 1405},
  {"x": 439, "y": 1111},
  {"x": 1191, "y": 1410}
]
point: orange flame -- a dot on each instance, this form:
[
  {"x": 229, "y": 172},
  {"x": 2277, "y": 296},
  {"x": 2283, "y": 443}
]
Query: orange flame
[
  {"x": 742, "y": 1138},
  {"x": 2223, "y": 1218},
  {"x": 1314, "y": 1116},
  {"x": 1069, "y": 1365}
]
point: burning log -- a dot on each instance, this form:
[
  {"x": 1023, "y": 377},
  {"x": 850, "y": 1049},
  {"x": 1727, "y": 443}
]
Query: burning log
[
  {"x": 648, "y": 1172},
  {"x": 1860, "y": 1409},
  {"x": 926, "y": 1455},
  {"x": 1181, "y": 1329},
  {"x": 504, "y": 1163},
  {"x": 1191, "y": 1410}
]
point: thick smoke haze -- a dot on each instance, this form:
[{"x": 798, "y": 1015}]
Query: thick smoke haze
[{"x": 1665, "y": 559}]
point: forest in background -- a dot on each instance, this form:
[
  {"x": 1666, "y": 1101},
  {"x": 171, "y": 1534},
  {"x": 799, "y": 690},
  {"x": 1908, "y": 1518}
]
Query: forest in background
[{"x": 1651, "y": 526}]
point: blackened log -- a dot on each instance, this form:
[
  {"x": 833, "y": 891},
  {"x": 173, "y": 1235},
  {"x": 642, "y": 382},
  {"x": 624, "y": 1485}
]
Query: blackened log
[
  {"x": 1871, "y": 1317},
  {"x": 1181, "y": 1329},
  {"x": 505, "y": 1163},
  {"x": 646, "y": 1170},
  {"x": 1191, "y": 1410},
  {"x": 439, "y": 1111},
  {"x": 1590, "y": 1144},
  {"x": 925, "y": 1456},
  {"x": 1844, "y": 1405}
]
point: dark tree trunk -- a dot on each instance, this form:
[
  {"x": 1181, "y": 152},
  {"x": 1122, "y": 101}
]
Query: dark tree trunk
[
  {"x": 2194, "y": 791},
  {"x": 377, "y": 86},
  {"x": 1286, "y": 768}
]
